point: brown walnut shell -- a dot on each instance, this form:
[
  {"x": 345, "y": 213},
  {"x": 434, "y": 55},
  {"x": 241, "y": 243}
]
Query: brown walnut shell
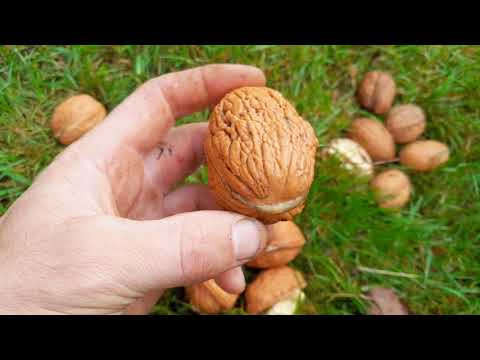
[
  {"x": 426, "y": 155},
  {"x": 285, "y": 242},
  {"x": 209, "y": 298},
  {"x": 76, "y": 116},
  {"x": 392, "y": 188},
  {"x": 406, "y": 123},
  {"x": 374, "y": 137},
  {"x": 260, "y": 155},
  {"x": 272, "y": 286},
  {"x": 377, "y": 92}
]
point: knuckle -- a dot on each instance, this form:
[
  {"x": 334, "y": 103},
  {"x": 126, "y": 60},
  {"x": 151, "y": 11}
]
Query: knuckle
[{"x": 154, "y": 91}]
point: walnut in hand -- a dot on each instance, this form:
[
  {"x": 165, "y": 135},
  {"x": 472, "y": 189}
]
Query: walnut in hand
[{"x": 260, "y": 155}]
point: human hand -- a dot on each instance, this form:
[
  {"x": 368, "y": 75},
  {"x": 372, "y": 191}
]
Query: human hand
[{"x": 101, "y": 230}]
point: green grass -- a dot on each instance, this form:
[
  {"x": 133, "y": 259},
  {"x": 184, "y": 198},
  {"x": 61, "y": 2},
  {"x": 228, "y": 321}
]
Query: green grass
[{"x": 429, "y": 252}]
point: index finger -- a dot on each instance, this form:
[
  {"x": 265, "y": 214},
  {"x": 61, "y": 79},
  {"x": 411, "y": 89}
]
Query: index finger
[{"x": 142, "y": 119}]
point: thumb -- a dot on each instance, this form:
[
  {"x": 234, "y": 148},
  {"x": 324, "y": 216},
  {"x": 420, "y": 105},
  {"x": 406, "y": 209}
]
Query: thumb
[{"x": 186, "y": 248}]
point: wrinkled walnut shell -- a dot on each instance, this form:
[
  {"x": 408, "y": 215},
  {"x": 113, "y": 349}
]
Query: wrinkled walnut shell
[
  {"x": 260, "y": 155},
  {"x": 406, "y": 123},
  {"x": 76, "y": 116},
  {"x": 285, "y": 242},
  {"x": 209, "y": 298},
  {"x": 374, "y": 137},
  {"x": 377, "y": 92},
  {"x": 272, "y": 286},
  {"x": 392, "y": 189},
  {"x": 424, "y": 155}
]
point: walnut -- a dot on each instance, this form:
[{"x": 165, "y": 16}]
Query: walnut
[
  {"x": 76, "y": 116},
  {"x": 392, "y": 189},
  {"x": 285, "y": 242},
  {"x": 426, "y": 155},
  {"x": 209, "y": 298},
  {"x": 260, "y": 155},
  {"x": 273, "y": 287},
  {"x": 374, "y": 137},
  {"x": 406, "y": 123},
  {"x": 377, "y": 92}
]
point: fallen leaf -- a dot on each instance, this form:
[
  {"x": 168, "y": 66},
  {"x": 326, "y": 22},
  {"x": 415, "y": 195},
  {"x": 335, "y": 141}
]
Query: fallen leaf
[{"x": 385, "y": 302}]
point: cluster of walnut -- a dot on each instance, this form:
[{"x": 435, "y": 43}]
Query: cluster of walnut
[
  {"x": 276, "y": 289},
  {"x": 371, "y": 142},
  {"x": 260, "y": 155}
]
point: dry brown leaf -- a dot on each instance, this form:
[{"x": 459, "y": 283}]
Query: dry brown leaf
[{"x": 386, "y": 302}]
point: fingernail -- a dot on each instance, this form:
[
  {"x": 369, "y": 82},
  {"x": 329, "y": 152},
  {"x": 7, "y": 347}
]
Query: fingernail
[{"x": 249, "y": 237}]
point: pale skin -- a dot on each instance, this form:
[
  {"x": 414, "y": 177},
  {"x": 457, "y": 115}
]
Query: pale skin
[{"x": 102, "y": 229}]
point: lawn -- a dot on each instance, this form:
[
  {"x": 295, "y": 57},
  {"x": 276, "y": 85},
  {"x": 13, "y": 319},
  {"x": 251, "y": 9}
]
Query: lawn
[{"x": 429, "y": 253}]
